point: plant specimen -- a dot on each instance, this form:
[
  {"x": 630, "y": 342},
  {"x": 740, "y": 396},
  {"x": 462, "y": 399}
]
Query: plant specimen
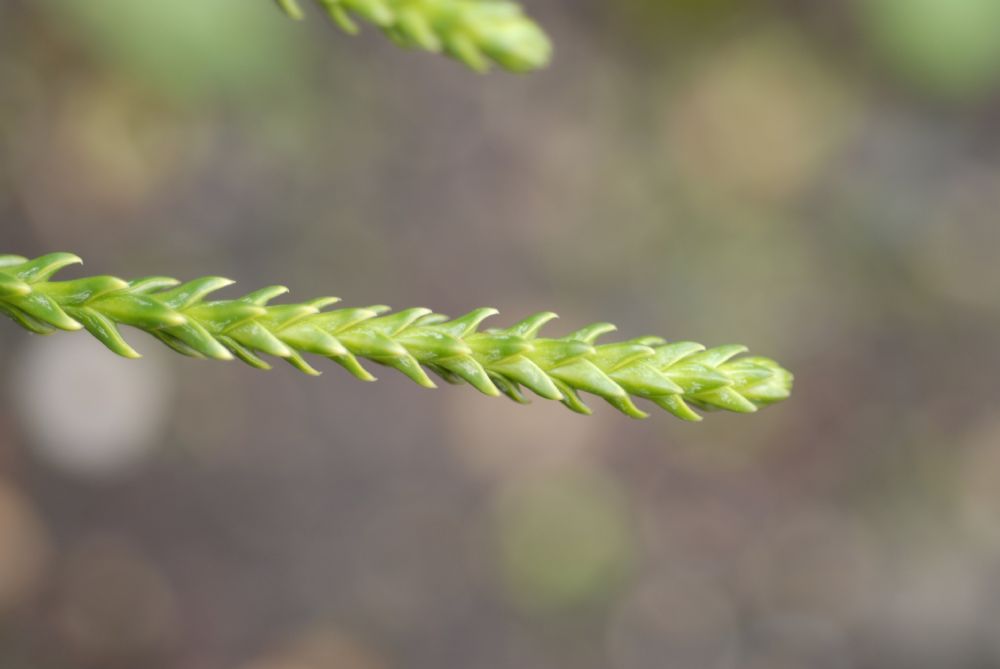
[
  {"x": 674, "y": 375},
  {"x": 475, "y": 32}
]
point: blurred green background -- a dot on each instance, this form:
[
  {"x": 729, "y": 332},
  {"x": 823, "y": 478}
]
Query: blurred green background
[{"x": 818, "y": 180}]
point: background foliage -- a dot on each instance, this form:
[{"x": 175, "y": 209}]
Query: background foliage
[{"x": 817, "y": 179}]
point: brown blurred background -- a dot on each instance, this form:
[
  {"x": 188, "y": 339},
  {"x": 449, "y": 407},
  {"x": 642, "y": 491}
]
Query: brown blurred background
[{"x": 818, "y": 180}]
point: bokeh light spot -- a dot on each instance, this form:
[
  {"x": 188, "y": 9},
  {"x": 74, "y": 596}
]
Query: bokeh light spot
[
  {"x": 566, "y": 539},
  {"x": 89, "y": 412},
  {"x": 760, "y": 120},
  {"x": 950, "y": 47},
  {"x": 187, "y": 48}
]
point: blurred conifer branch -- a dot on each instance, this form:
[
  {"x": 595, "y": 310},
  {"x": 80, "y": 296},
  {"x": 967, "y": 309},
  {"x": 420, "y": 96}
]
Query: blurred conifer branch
[
  {"x": 475, "y": 32},
  {"x": 671, "y": 375}
]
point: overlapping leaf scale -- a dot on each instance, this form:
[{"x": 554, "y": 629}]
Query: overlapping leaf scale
[
  {"x": 674, "y": 376},
  {"x": 475, "y": 32}
]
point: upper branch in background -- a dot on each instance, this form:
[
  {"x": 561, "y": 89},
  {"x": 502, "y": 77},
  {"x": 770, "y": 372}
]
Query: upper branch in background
[
  {"x": 671, "y": 375},
  {"x": 472, "y": 31}
]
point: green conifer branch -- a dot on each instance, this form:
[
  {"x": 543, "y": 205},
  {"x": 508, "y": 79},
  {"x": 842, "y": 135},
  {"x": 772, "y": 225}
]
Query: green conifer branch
[
  {"x": 475, "y": 32},
  {"x": 671, "y": 375}
]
